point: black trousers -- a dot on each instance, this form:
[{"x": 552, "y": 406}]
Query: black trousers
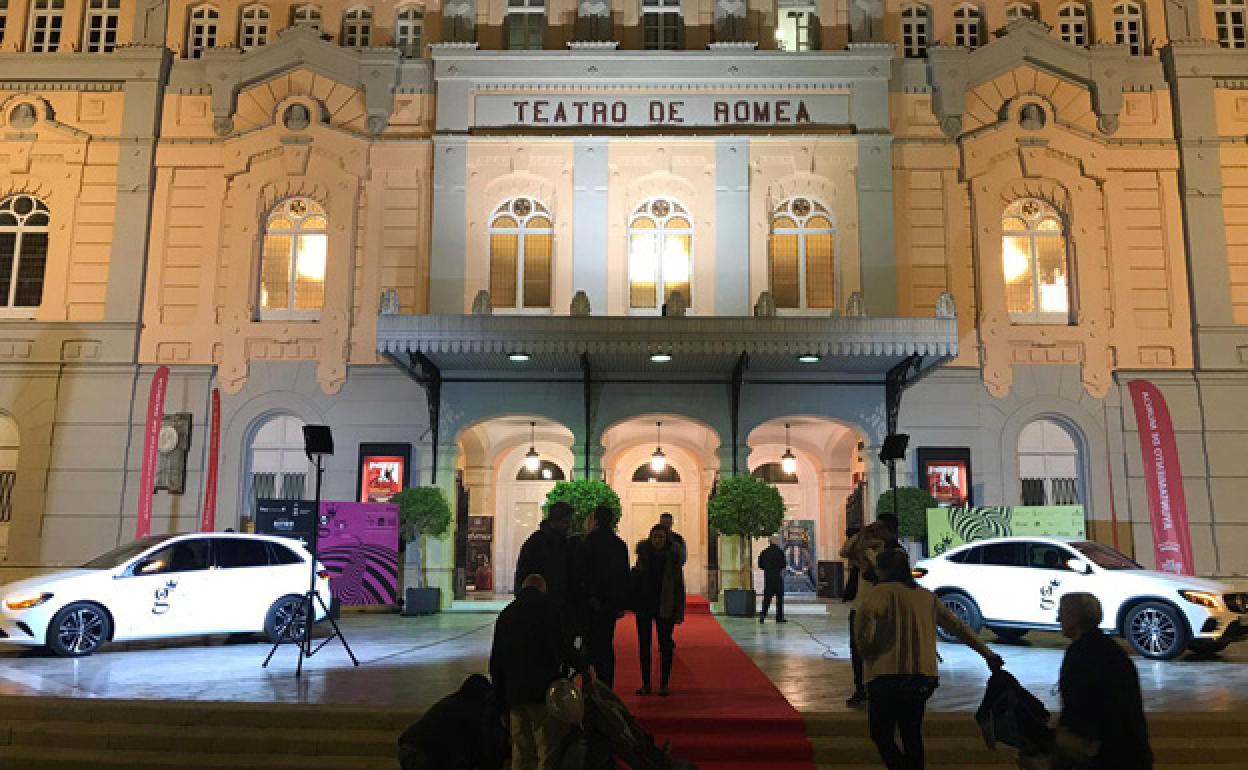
[
  {"x": 645, "y": 628},
  {"x": 855, "y": 659},
  {"x": 600, "y": 645},
  {"x": 771, "y": 590},
  {"x": 896, "y": 704}
]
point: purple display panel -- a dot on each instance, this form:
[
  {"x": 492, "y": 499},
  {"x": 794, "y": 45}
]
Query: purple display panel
[{"x": 359, "y": 544}]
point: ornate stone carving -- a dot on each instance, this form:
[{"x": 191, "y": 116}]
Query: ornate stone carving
[
  {"x": 766, "y": 305},
  {"x": 854, "y": 307},
  {"x": 1031, "y": 117},
  {"x": 296, "y": 117},
  {"x": 23, "y": 116},
  {"x": 223, "y": 126},
  {"x": 676, "y": 305},
  {"x": 945, "y": 306},
  {"x": 481, "y": 303},
  {"x": 389, "y": 304},
  {"x": 580, "y": 304}
]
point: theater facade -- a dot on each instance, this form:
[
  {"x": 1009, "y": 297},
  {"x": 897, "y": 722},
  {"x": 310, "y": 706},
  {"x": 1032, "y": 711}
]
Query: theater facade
[{"x": 464, "y": 233}]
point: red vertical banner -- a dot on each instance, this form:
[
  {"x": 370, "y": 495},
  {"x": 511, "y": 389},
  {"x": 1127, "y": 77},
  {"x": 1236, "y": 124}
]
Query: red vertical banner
[
  {"x": 151, "y": 440},
  {"x": 208, "y": 517},
  {"x": 1167, "y": 506}
]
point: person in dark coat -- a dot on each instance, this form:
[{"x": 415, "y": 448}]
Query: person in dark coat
[
  {"x": 548, "y": 553},
  {"x": 666, "y": 521},
  {"x": 460, "y": 732},
  {"x": 1102, "y": 725},
  {"x": 658, "y": 602},
  {"x": 772, "y": 562},
  {"x": 529, "y": 652},
  {"x": 602, "y": 581}
]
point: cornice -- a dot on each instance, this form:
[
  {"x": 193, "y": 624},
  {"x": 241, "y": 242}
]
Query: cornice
[{"x": 86, "y": 71}]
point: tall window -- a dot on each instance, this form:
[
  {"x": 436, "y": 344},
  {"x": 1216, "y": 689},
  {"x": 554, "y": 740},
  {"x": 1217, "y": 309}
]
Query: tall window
[
  {"x": 521, "y": 251},
  {"x": 1073, "y": 23},
  {"x": 526, "y": 23},
  {"x": 1033, "y": 258},
  {"x": 201, "y": 33},
  {"x": 660, "y": 254},
  {"x": 1016, "y": 11},
  {"x": 307, "y": 16},
  {"x": 802, "y": 266},
  {"x": 4, "y": 17},
  {"x": 966, "y": 21},
  {"x": 253, "y": 27},
  {"x": 46, "y": 19},
  {"x": 914, "y": 20},
  {"x": 99, "y": 34},
  {"x": 278, "y": 466},
  {"x": 357, "y": 28},
  {"x": 1048, "y": 465},
  {"x": 798, "y": 26},
  {"x": 409, "y": 27},
  {"x": 292, "y": 263},
  {"x": 23, "y": 250},
  {"x": 1129, "y": 27},
  {"x": 1231, "y": 19},
  {"x": 660, "y": 25},
  {"x": 10, "y": 445}
]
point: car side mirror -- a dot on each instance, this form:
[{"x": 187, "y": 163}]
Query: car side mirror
[{"x": 1079, "y": 565}]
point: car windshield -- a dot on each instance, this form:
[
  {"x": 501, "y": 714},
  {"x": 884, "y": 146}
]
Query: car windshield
[
  {"x": 1103, "y": 556},
  {"x": 124, "y": 553}
]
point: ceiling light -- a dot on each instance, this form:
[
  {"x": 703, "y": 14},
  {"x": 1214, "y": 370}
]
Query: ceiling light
[
  {"x": 658, "y": 461},
  {"x": 660, "y": 358},
  {"x": 809, "y": 358},
  {"x": 532, "y": 460},
  {"x": 788, "y": 461},
  {"x": 519, "y": 357}
]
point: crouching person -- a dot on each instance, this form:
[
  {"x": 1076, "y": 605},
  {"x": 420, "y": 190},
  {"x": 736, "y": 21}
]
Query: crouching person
[{"x": 462, "y": 731}]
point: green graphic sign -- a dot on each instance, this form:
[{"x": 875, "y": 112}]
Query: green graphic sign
[{"x": 950, "y": 527}]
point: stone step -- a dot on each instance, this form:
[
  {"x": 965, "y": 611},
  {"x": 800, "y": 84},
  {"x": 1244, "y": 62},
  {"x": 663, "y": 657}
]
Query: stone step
[
  {"x": 47, "y": 758},
  {"x": 1209, "y": 724},
  {"x": 1225, "y": 751}
]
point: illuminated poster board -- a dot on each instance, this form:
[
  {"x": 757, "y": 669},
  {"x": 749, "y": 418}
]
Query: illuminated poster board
[
  {"x": 951, "y": 527},
  {"x": 385, "y": 470},
  {"x": 945, "y": 473}
]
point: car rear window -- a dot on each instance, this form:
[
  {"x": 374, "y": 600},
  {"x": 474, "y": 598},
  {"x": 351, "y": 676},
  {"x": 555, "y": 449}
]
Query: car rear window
[{"x": 237, "y": 552}]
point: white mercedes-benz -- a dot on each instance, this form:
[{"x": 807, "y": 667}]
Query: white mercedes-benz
[
  {"x": 164, "y": 586},
  {"x": 1012, "y": 585}
]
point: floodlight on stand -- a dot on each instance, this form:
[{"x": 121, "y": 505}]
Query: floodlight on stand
[
  {"x": 658, "y": 461},
  {"x": 532, "y": 460},
  {"x": 788, "y": 462}
]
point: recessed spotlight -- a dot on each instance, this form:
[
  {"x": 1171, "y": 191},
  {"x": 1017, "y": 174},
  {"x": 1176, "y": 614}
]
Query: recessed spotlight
[
  {"x": 660, "y": 358},
  {"x": 518, "y": 357},
  {"x": 809, "y": 358}
]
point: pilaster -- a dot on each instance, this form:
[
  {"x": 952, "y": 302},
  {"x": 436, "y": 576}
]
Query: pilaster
[
  {"x": 589, "y": 249},
  {"x": 447, "y": 290},
  {"x": 732, "y": 226}
]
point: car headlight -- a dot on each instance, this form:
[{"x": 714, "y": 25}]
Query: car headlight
[
  {"x": 26, "y": 602},
  {"x": 1203, "y": 598}
]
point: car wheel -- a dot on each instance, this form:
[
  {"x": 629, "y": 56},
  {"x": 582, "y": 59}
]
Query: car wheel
[
  {"x": 964, "y": 609},
  {"x": 1208, "y": 646},
  {"x": 1007, "y": 633},
  {"x": 1156, "y": 630},
  {"x": 79, "y": 629},
  {"x": 286, "y": 619}
]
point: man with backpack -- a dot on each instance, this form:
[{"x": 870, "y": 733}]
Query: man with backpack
[{"x": 602, "y": 580}]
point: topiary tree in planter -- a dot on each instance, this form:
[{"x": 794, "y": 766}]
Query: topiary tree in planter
[
  {"x": 748, "y": 508},
  {"x": 423, "y": 512},
  {"x": 584, "y": 495},
  {"x": 911, "y": 508}
]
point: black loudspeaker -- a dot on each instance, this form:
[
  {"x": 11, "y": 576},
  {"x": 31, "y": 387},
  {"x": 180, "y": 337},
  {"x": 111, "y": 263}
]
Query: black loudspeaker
[
  {"x": 317, "y": 440},
  {"x": 894, "y": 446}
]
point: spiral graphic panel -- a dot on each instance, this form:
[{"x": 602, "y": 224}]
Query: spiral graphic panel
[{"x": 359, "y": 546}]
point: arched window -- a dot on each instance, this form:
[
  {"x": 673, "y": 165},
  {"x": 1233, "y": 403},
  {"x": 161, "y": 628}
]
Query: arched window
[
  {"x": 1072, "y": 24},
  {"x": 773, "y": 473},
  {"x": 253, "y": 27},
  {"x": 645, "y": 472},
  {"x": 802, "y": 252},
  {"x": 797, "y": 25},
  {"x": 292, "y": 263},
  {"x": 660, "y": 25},
  {"x": 99, "y": 33},
  {"x": 660, "y": 255},
  {"x": 10, "y": 443},
  {"x": 307, "y": 16},
  {"x": 23, "y": 250},
  {"x": 1231, "y": 19},
  {"x": 547, "y": 471},
  {"x": 1016, "y": 11},
  {"x": 1049, "y": 466},
  {"x": 521, "y": 250},
  {"x": 278, "y": 467},
  {"x": 1129, "y": 27},
  {"x": 966, "y": 21},
  {"x": 201, "y": 31},
  {"x": 357, "y": 28},
  {"x": 46, "y": 20},
  {"x": 1033, "y": 258},
  {"x": 914, "y": 21},
  {"x": 526, "y": 24},
  {"x": 409, "y": 28}
]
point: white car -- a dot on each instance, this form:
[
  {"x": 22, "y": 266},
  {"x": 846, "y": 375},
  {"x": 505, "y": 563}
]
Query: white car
[
  {"x": 1013, "y": 584},
  {"x": 164, "y": 586}
]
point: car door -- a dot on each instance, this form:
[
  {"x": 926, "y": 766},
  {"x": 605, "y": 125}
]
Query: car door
[
  {"x": 158, "y": 593},
  {"x": 994, "y": 582},
  {"x": 1047, "y": 579},
  {"x": 243, "y": 584}
]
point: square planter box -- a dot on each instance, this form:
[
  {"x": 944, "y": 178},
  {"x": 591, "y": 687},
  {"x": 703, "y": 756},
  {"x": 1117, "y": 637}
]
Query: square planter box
[
  {"x": 422, "y": 601},
  {"x": 739, "y": 603}
]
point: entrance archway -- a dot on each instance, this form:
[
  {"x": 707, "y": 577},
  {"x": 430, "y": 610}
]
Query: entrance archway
[{"x": 277, "y": 467}]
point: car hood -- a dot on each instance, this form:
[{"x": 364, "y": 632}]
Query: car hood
[{"x": 52, "y": 582}]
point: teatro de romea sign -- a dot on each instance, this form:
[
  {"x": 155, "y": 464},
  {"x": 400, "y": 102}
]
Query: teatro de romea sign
[{"x": 730, "y": 110}]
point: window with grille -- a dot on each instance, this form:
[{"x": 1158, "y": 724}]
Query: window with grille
[
  {"x": 307, "y": 16},
  {"x": 966, "y": 22},
  {"x": 4, "y": 18},
  {"x": 1049, "y": 465},
  {"x": 1129, "y": 27},
  {"x": 1017, "y": 11},
  {"x": 798, "y": 26},
  {"x": 660, "y": 25},
  {"x": 7, "y": 480},
  {"x": 409, "y": 28},
  {"x": 99, "y": 34},
  {"x": 357, "y": 28},
  {"x": 802, "y": 269},
  {"x": 278, "y": 468},
  {"x": 914, "y": 20},
  {"x": 1231, "y": 19},
  {"x": 23, "y": 250},
  {"x": 521, "y": 251},
  {"x": 201, "y": 32},
  {"x": 1033, "y": 259},
  {"x": 526, "y": 24},
  {"x": 47, "y": 17},
  {"x": 292, "y": 261},
  {"x": 1072, "y": 23},
  {"x": 660, "y": 255},
  {"x": 253, "y": 27}
]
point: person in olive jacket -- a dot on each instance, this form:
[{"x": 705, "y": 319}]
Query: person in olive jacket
[
  {"x": 772, "y": 562},
  {"x": 658, "y": 602},
  {"x": 602, "y": 588}
]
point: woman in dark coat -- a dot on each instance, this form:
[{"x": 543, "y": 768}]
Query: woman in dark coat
[{"x": 658, "y": 602}]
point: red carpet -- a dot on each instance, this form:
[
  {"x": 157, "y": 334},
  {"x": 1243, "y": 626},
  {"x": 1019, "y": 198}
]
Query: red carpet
[{"x": 723, "y": 713}]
